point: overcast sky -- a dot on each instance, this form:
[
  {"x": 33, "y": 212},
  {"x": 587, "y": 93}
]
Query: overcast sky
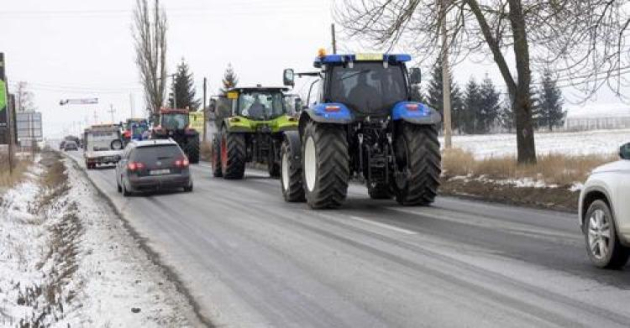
[{"x": 79, "y": 49}]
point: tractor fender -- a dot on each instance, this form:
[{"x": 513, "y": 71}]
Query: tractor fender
[
  {"x": 415, "y": 113},
  {"x": 294, "y": 140},
  {"x": 334, "y": 113}
]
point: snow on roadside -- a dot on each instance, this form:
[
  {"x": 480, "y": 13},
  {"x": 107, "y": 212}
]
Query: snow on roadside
[
  {"x": 604, "y": 142},
  {"x": 517, "y": 183},
  {"x": 66, "y": 260}
]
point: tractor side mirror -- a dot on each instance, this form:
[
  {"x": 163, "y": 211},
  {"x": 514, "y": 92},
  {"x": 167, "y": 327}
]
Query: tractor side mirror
[
  {"x": 624, "y": 151},
  {"x": 289, "y": 77},
  {"x": 415, "y": 76},
  {"x": 213, "y": 106}
]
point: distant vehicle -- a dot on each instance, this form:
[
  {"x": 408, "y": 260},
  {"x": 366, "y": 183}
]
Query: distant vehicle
[
  {"x": 175, "y": 124},
  {"x": 102, "y": 145},
  {"x": 70, "y": 146},
  {"x": 69, "y": 138},
  {"x": 604, "y": 213},
  {"x": 135, "y": 129},
  {"x": 153, "y": 165}
]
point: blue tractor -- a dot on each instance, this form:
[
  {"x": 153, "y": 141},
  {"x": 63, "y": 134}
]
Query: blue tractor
[{"x": 360, "y": 122}]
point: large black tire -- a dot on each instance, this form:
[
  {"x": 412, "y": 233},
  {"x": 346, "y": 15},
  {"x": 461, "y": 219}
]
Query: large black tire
[
  {"x": 614, "y": 255},
  {"x": 233, "y": 155},
  {"x": 379, "y": 191},
  {"x": 417, "y": 151},
  {"x": 273, "y": 168},
  {"x": 291, "y": 174},
  {"x": 325, "y": 165},
  {"x": 192, "y": 149},
  {"x": 216, "y": 156}
]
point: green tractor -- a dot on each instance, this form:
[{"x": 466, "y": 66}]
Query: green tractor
[{"x": 251, "y": 123}]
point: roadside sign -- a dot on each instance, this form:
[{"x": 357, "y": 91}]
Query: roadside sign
[
  {"x": 3, "y": 95},
  {"x": 29, "y": 126},
  {"x": 196, "y": 120},
  {"x": 85, "y": 101}
]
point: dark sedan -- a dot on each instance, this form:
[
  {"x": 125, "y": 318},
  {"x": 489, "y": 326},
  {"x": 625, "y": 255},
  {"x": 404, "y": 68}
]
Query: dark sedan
[{"x": 153, "y": 165}]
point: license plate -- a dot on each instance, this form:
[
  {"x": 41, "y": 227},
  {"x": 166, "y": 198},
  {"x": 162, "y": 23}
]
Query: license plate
[{"x": 160, "y": 172}]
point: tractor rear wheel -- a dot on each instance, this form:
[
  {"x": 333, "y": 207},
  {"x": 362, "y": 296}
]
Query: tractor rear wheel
[
  {"x": 233, "y": 155},
  {"x": 325, "y": 163},
  {"x": 192, "y": 149},
  {"x": 216, "y": 156},
  {"x": 418, "y": 159},
  {"x": 291, "y": 174}
]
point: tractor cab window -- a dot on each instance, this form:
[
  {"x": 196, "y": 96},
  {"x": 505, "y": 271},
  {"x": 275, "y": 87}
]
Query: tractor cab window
[
  {"x": 368, "y": 87},
  {"x": 174, "y": 121},
  {"x": 261, "y": 105}
]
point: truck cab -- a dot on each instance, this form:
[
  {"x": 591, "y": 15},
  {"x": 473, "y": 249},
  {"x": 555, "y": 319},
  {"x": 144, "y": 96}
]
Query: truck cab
[{"x": 102, "y": 145}]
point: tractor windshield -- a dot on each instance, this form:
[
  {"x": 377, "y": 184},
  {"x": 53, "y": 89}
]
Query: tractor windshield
[
  {"x": 261, "y": 105},
  {"x": 368, "y": 87},
  {"x": 175, "y": 121}
]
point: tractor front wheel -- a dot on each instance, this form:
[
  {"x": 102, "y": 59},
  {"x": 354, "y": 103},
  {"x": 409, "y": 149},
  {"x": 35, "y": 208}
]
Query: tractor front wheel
[
  {"x": 233, "y": 155},
  {"x": 418, "y": 164},
  {"x": 325, "y": 163}
]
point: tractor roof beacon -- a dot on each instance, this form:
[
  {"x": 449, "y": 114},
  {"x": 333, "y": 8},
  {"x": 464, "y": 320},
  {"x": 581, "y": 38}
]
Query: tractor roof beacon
[
  {"x": 360, "y": 121},
  {"x": 251, "y": 122}
]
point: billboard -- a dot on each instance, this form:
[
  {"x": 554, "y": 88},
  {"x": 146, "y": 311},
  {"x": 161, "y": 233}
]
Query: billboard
[{"x": 29, "y": 126}]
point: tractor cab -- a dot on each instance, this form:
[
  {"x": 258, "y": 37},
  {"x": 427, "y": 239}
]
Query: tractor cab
[
  {"x": 135, "y": 129},
  {"x": 358, "y": 85},
  {"x": 259, "y": 103},
  {"x": 174, "y": 119}
]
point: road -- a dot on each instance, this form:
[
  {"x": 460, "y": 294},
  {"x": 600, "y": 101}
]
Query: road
[{"x": 251, "y": 260}]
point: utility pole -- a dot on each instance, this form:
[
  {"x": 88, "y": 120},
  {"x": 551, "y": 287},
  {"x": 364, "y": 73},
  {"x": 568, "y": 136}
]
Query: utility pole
[
  {"x": 205, "y": 109},
  {"x": 446, "y": 79},
  {"x": 131, "y": 104},
  {"x": 10, "y": 110},
  {"x": 174, "y": 92},
  {"x": 334, "y": 39},
  {"x": 112, "y": 111}
]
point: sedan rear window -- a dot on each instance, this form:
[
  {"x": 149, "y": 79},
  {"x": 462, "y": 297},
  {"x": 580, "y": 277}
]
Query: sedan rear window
[{"x": 155, "y": 153}]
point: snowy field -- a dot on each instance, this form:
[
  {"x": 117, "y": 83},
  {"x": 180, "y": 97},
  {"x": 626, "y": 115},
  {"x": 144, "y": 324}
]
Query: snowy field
[
  {"x": 66, "y": 260},
  {"x": 571, "y": 143}
]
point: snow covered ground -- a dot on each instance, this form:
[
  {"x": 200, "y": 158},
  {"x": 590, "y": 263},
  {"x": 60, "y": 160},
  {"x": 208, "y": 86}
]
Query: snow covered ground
[
  {"x": 66, "y": 260},
  {"x": 571, "y": 143}
]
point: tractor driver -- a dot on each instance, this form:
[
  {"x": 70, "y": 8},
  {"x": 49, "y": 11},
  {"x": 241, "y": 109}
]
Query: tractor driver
[
  {"x": 257, "y": 109},
  {"x": 364, "y": 95}
]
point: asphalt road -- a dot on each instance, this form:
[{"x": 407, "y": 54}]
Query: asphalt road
[{"x": 251, "y": 260}]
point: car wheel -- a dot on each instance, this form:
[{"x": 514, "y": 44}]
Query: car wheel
[
  {"x": 602, "y": 244},
  {"x": 118, "y": 185},
  {"x": 189, "y": 188},
  {"x": 124, "y": 190}
]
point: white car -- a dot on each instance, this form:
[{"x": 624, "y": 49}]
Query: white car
[{"x": 604, "y": 213}]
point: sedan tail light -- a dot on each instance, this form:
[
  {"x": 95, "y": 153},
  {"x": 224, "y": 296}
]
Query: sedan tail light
[
  {"x": 182, "y": 162},
  {"x": 135, "y": 166}
]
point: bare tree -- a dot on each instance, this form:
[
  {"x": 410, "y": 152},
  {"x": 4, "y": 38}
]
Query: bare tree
[
  {"x": 24, "y": 98},
  {"x": 584, "y": 42},
  {"x": 149, "y": 31}
]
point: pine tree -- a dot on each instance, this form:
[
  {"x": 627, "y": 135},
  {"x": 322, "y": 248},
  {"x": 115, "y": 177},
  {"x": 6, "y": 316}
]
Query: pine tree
[
  {"x": 417, "y": 94},
  {"x": 471, "y": 116},
  {"x": 230, "y": 80},
  {"x": 435, "y": 97},
  {"x": 490, "y": 106},
  {"x": 551, "y": 103},
  {"x": 184, "y": 89}
]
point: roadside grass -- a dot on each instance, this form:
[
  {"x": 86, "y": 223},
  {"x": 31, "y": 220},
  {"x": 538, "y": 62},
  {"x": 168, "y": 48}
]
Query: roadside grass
[
  {"x": 205, "y": 150},
  {"x": 553, "y": 169},
  {"x": 7, "y": 179}
]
